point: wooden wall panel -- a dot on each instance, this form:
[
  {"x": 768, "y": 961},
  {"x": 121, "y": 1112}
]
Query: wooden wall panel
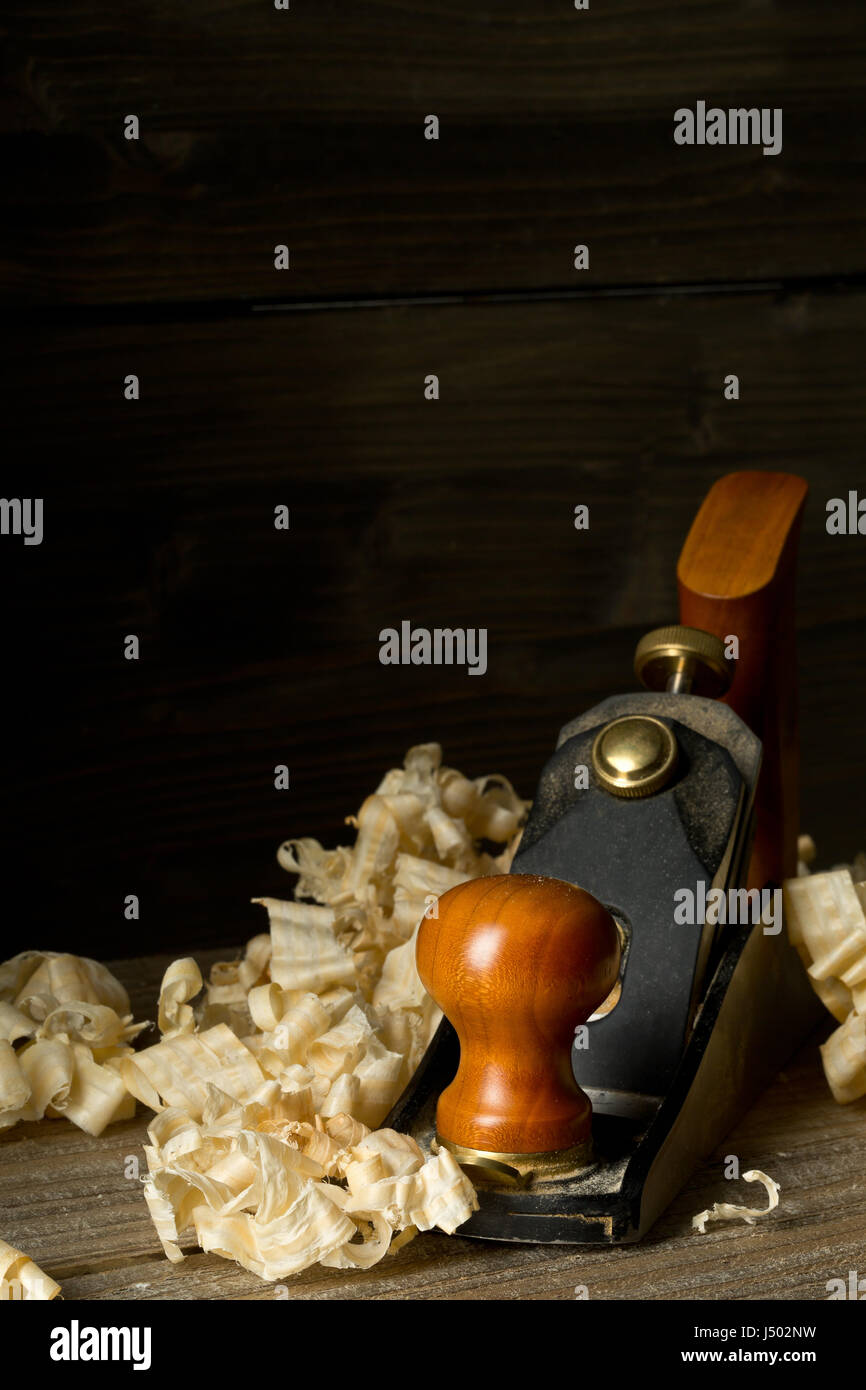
[
  {"x": 261, "y": 647},
  {"x": 305, "y": 127}
]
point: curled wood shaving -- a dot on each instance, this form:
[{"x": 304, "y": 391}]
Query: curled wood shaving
[
  {"x": 179, "y": 1071},
  {"x": 727, "y": 1211},
  {"x": 305, "y": 953},
  {"x": 21, "y": 1279},
  {"x": 65, "y": 1026},
  {"x": 268, "y": 1096},
  {"x": 181, "y": 982},
  {"x": 826, "y": 916}
]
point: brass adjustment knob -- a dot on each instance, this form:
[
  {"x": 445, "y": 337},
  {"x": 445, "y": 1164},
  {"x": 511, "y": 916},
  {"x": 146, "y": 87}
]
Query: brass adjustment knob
[
  {"x": 634, "y": 756},
  {"x": 683, "y": 660}
]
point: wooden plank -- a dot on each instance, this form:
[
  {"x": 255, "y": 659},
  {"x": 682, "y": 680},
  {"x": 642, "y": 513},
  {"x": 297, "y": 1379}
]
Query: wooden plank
[
  {"x": 261, "y": 647},
  {"x": 67, "y": 1202},
  {"x": 306, "y": 127}
]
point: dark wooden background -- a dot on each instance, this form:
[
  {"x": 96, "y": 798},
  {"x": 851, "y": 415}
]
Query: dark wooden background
[{"x": 305, "y": 387}]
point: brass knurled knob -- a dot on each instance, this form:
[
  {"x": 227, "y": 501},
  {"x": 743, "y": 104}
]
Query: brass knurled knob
[{"x": 683, "y": 660}]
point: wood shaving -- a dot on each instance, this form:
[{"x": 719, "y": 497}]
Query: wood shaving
[
  {"x": 65, "y": 1027},
  {"x": 21, "y": 1279},
  {"x": 826, "y": 916},
  {"x": 727, "y": 1211},
  {"x": 181, "y": 982}
]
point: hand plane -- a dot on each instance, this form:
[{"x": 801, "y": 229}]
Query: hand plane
[{"x": 617, "y": 1001}]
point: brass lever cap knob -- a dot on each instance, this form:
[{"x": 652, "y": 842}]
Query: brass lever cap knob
[{"x": 634, "y": 756}]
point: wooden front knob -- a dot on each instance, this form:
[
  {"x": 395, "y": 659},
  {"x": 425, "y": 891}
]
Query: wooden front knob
[{"x": 517, "y": 962}]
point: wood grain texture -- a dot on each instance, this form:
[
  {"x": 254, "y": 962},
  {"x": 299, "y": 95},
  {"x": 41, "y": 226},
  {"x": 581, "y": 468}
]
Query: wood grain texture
[
  {"x": 516, "y": 963},
  {"x": 65, "y": 1201},
  {"x": 261, "y": 647},
  {"x": 306, "y": 128},
  {"x": 737, "y": 575}
]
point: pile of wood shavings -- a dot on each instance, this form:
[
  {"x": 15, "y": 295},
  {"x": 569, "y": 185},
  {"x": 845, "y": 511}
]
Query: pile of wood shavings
[
  {"x": 269, "y": 1093},
  {"x": 65, "y": 1026}
]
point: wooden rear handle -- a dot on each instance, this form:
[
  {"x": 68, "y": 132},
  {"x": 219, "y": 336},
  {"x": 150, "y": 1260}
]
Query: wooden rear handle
[{"x": 737, "y": 575}]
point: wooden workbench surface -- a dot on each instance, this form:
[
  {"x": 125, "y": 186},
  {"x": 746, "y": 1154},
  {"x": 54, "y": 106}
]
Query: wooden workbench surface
[{"x": 65, "y": 1200}]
